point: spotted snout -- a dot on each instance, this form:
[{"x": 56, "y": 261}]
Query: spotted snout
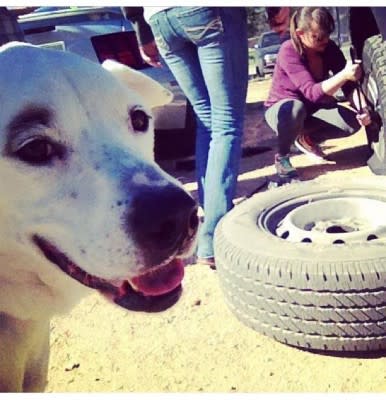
[{"x": 163, "y": 221}]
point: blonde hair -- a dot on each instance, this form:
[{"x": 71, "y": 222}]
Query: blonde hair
[{"x": 302, "y": 18}]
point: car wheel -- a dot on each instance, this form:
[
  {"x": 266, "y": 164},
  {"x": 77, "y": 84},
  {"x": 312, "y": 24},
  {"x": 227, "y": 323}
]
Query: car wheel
[
  {"x": 305, "y": 263},
  {"x": 374, "y": 87}
]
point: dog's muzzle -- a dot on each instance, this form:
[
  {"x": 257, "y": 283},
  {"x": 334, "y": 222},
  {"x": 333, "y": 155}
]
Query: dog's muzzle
[{"x": 164, "y": 225}]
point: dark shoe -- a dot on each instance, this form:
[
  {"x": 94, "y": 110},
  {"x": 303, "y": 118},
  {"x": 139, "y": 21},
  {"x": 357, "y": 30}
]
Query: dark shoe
[
  {"x": 207, "y": 261},
  {"x": 304, "y": 143},
  {"x": 284, "y": 167}
]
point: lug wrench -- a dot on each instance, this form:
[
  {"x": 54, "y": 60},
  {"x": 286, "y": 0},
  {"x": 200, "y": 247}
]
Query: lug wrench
[
  {"x": 353, "y": 55},
  {"x": 372, "y": 130}
]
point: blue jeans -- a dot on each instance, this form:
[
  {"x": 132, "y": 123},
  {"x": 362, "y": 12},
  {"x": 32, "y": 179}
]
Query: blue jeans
[{"x": 206, "y": 49}]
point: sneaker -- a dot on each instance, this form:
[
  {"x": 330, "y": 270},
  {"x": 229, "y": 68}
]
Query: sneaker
[
  {"x": 284, "y": 167},
  {"x": 210, "y": 261},
  {"x": 304, "y": 143}
]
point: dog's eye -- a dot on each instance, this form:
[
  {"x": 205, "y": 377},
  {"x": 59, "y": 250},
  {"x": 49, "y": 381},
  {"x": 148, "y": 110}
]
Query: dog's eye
[
  {"x": 139, "y": 120},
  {"x": 36, "y": 151}
]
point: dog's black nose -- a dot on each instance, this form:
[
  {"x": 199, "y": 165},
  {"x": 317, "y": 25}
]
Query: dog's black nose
[{"x": 162, "y": 220}]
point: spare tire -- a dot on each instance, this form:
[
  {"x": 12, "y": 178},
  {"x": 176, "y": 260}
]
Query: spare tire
[{"x": 305, "y": 263}]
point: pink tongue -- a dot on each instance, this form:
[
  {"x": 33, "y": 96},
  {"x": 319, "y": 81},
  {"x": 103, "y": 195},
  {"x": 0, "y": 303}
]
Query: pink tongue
[{"x": 160, "y": 281}]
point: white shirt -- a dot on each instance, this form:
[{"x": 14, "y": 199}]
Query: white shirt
[{"x": 150, "y": 11}]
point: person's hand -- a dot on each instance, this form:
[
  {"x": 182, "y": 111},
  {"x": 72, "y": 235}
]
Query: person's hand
[
  {"x": 150, "y": 55},
  {"x": 353, "y": 71},
  {"x": 364, "y": 117}
]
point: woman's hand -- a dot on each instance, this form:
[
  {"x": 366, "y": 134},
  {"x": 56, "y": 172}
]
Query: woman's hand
[
  {"x": 150, "y": 55},
  {"x": 353, "y": 71},
  {"x": 364, "y": 117}
]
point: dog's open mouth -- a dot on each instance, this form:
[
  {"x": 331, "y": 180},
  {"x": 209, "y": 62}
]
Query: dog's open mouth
[{"x": 153, "y": 291}]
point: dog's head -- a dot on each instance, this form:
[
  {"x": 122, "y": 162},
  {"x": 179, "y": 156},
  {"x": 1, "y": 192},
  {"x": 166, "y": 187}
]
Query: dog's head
[{"x": 82, "y": 202}]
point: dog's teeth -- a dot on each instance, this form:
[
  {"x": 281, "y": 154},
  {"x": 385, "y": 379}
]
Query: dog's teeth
[
  {"x": 87, "y": 280},
  {"x": 123, "y": 288},
  {"x": 71, "y": 269}
]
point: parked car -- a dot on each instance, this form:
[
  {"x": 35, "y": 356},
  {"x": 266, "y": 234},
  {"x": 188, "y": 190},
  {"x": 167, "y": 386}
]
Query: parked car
[
  {"x": 100, "y": 33},
  {"x": 266, "y": 50}
]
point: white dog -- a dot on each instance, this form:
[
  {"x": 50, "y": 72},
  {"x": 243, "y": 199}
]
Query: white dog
[{"x": 82, "y": 203}]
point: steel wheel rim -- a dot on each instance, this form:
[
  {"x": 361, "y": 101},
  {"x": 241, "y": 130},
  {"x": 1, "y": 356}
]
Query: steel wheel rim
[{"x": 335, "y": 218}]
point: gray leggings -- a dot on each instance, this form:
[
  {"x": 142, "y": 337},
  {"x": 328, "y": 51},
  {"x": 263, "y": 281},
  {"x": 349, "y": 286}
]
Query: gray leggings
[{"x": 289, "y": 117}]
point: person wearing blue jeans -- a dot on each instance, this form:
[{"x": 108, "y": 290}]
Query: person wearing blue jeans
[{"x": 206, "y": 48}]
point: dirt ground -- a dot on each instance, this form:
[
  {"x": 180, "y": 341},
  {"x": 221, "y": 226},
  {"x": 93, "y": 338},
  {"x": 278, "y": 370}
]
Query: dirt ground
[{"x": 198, "y": 345}]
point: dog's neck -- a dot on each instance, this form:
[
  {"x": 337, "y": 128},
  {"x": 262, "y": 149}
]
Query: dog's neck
[{"x": 24, "y": 349}]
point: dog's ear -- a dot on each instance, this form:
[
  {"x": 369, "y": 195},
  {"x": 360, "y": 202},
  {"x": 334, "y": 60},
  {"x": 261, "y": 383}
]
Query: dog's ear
[{"x": 153, "y": 93}]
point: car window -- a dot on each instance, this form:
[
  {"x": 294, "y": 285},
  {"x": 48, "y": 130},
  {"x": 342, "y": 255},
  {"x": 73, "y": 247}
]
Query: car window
[{"x": 272, "y": 39}]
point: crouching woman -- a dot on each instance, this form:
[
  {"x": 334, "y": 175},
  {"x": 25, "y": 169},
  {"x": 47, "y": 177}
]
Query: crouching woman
[{"x": 301, "y": 106}]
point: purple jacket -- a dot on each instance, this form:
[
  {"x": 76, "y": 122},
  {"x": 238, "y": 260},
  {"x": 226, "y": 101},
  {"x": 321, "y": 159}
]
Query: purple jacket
[{"x": 292, "y": 80}]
